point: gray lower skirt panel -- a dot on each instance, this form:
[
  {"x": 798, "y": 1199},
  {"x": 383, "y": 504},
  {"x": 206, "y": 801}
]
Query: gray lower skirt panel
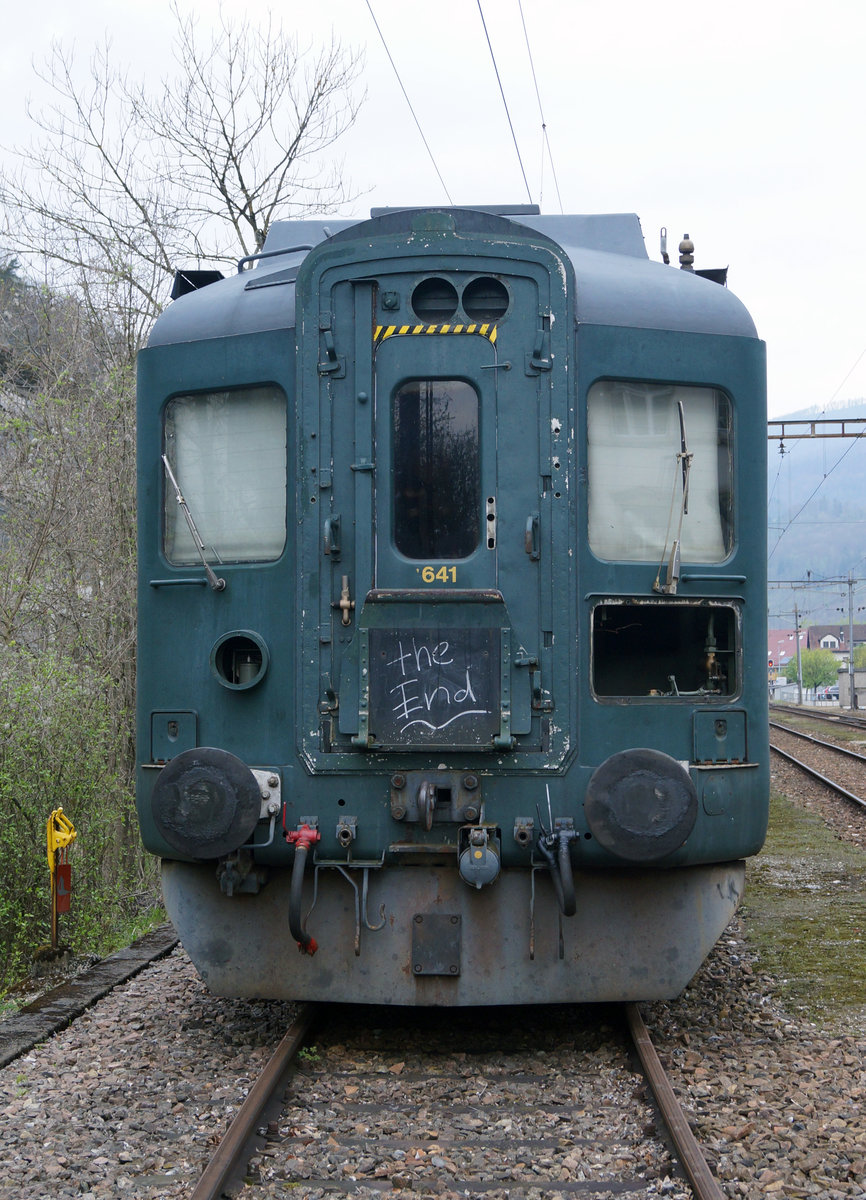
[{"x": 637, "y": 935}]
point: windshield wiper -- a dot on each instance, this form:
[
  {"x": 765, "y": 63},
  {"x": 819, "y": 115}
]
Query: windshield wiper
[
  {"x": 684, "y": 458},
  {"x": 216, "y": 583}
]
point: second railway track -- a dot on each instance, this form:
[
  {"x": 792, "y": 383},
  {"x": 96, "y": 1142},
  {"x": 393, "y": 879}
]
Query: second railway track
[
  {"x": 837, "y": 767},
  {"x": 841, "y": 718}
]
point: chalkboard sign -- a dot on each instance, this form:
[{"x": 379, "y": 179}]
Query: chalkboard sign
[{"x": 434, "y": 687}]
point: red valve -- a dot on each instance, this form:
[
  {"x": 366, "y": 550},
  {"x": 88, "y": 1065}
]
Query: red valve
[{"x": 304, "y": 837}]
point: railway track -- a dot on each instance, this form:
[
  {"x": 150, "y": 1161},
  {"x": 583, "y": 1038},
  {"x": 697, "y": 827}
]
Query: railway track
[
  {"x": 837, "y": 767},
  {"x": 840, "y": 718},
  {"x": 523, "y": 1103},
  {"x": 131, "y": 1097}
]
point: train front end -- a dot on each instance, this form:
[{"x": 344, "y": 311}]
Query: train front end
[{"x": 452, "y": 613}]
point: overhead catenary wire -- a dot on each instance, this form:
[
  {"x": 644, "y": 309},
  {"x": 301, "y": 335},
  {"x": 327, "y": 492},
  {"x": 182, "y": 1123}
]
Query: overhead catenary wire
[
  {"x": 546, "y": 148},
  {"x": 782, "y": 453},
  {"x": 545, "y": 139},
  {"x": 827, "y": 474},
  {"x": 847, "y": 377},
  {"x": 814, "y": 492},
  {"x": 409, "y": 102},
  {"x": 504, "y": 102}
]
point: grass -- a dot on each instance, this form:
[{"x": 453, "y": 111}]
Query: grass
[{"x": 806, "y": 915}]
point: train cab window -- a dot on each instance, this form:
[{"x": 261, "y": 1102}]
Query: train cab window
[
  {"x": 436, "y": 469},
  {"x": 639, "y": 437},
  {"x": 228, "y": 453},
  {"x": 658, "y": 650}
]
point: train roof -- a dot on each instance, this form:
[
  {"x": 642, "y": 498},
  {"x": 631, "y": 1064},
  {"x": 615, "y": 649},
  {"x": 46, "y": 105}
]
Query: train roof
[{"x": 617, "y": 284}]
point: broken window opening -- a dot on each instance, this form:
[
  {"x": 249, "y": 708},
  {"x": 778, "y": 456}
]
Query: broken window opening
[{"x": 664, "y": 651}]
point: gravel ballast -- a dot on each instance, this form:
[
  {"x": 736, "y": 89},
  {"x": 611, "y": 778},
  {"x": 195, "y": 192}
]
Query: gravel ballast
[{"x": 129, "y": 1099}]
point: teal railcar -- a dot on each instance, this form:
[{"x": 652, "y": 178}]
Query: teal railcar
[{"x": 452, "y": 609}]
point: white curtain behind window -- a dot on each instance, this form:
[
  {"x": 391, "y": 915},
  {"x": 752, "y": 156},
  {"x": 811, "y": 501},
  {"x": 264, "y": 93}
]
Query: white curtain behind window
[
  {"x": 228, "y": 452},
  {"x": 634, "y": 473}
]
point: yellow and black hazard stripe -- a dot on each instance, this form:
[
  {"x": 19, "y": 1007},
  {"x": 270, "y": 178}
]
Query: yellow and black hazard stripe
[{"x": 485, "y": 330}]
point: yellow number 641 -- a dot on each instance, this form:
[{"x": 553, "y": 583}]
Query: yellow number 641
[{"x": 439, "y": 574}]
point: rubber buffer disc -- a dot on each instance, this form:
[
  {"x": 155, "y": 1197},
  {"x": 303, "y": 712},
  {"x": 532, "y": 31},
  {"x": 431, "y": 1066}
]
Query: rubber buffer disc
[
  {"x": 641, "y": 805},
  {"x": 206, "y": 803}
]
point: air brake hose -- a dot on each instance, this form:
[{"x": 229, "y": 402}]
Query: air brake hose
[
  {"x": 560, "y": 869},
  {"x": 301, "y": 839}
]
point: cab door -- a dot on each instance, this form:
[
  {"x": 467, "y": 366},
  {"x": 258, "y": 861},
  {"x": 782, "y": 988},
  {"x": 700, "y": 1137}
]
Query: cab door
[{"x": 444, "y": 464}]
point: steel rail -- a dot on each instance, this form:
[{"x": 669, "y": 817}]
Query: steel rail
[
  {"x": 807, "y": 737},
  {"x": 816, "y": 714},
  {"x": 836, "y": 787},
  {"x": 227, "y": 1155},
  {"x": 704, "y": 1183}
]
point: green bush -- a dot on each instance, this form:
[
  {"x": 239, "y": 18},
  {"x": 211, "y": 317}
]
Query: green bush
[
  {"x": 819, "y": 668},
  {"x": 59, "y": 741}
]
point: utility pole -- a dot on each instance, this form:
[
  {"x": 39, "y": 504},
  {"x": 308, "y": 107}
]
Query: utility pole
[
  {"x": 851, "y": 694},
  {"x": 799, "y": 659}
]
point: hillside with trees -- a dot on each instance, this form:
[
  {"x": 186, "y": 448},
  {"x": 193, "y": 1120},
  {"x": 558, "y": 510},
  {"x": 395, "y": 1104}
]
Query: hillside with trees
[{"x": 122, "y": 184}]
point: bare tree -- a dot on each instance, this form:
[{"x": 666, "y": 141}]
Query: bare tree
[
  {"x": 121, "y": 185},
  {"x": 125, "y": 183},
  {"x": 246, "y": 129}
]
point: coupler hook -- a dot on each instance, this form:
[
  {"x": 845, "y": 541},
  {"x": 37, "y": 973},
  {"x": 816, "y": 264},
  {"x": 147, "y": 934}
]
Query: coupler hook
[{"x": 302, "y": 839}]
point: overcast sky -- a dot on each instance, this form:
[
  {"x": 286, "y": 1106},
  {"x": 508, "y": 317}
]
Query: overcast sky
[{"x": 739, "y": 123}]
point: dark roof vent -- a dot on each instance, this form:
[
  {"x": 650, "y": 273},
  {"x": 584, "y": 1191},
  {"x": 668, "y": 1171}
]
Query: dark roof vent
[
  {"x": 191, "y": 281},
  {"x": 715, "y": 274}
]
